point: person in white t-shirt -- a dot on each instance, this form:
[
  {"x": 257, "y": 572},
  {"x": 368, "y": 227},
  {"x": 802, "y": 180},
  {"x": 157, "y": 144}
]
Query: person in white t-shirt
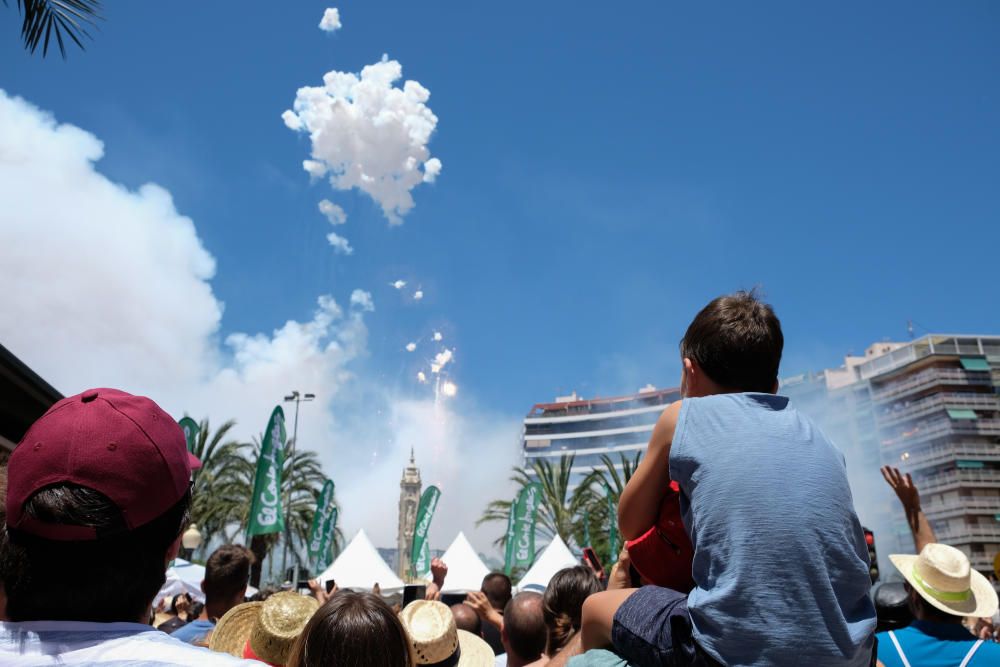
[{"x": 98, "y": 493}]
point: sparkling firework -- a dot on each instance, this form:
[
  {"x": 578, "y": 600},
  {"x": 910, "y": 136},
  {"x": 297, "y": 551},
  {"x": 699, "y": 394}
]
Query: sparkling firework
[
  {"x": 441, "y": 359},
  {"x": 438, "y": 336},
  {"x": 399, "y": 284},
  {"x": 418, "y": 295},
  {"x": 421, "y": 378},
  {"x": 449, "y": 389},
  {"x": 410, "y": 347}
]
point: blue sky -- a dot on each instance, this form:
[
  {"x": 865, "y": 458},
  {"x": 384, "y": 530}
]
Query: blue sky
[{"x": 608, "y": 169}]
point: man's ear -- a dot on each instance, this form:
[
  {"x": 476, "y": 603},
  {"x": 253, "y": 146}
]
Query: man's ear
[{"x": 173, "y": 550}]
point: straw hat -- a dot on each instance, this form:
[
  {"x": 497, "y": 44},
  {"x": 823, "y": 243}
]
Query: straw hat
[
  {"x": 435, "y": 639},
  {"x": 943, "y": 577},
  {"x": 264, "y": 630}
]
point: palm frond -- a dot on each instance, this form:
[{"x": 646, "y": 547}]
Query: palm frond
[{"x": 44, "y": 19}]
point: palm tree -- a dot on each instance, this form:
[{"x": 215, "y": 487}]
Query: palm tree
[
  {"x": 592, "y": 496},
  {"x": 48, "y": 18},
  {"x": 559, "y": 509},
  {"x": 220, "y": 490}
]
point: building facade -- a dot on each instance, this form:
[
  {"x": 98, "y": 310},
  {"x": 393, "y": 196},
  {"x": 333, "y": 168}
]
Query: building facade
[
  {"x": 930, "y": 407},
  {"x": 409, "y": 497},
  {"x": 590, "y": 428}
]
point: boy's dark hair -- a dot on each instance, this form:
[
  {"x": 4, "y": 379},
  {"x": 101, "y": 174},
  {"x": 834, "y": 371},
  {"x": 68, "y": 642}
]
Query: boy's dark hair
[
  {"x": 497, "y": 588},
  {"x": 113, "y": 578},
  {"x": 227, "y": 572},
  {"x": 736, "y": 340}
]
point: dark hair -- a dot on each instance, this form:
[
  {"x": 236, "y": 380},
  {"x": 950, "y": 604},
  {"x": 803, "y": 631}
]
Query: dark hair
[
  {"x": 353, "y": 630},
  {"x": 497, "y": 587},
  {"x": 112, "y": 578},
  {"x": 173, "y": 602},
  {"x": 524, "y": 625},
  {"x": 562, "y": 604},
  {"x": 264, "y": 593},
  {"x": 736, "y": 340},
  {"x": 227, "y": 572}
]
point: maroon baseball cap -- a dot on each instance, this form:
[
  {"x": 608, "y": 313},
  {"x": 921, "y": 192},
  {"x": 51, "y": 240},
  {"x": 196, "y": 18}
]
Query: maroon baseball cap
[{"x": 123, "y": 446}]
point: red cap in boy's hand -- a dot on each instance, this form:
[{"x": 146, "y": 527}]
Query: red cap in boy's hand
[{"x": 663, "y": 554}]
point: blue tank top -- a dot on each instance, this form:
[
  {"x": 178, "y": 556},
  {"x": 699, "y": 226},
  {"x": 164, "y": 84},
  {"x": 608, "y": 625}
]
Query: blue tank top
[{"x": 780, "y": 562}]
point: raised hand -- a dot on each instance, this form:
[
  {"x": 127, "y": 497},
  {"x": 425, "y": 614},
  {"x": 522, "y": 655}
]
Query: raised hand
[
  {"x": 619, "y": 578},
  {"x": 904, "y": 487},
  {"x": 439, "y": 570}
]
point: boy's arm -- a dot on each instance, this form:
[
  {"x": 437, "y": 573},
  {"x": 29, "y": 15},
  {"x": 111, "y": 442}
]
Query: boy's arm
[{"x": 639, "y": 504}]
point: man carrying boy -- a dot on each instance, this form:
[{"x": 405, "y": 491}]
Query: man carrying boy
[{"x": 780, "y": 562}]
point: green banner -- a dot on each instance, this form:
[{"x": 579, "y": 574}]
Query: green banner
[
  {"x": 191, "y": 431},
  {"x": 321, "y": 524},
  {"x": 422, "y": 566},
  {"x": 612, "y": 525},
  {"x": 265, "y": 508},
  {"x": 521, "y": 528},
  {"x": 425, "y": 512}
]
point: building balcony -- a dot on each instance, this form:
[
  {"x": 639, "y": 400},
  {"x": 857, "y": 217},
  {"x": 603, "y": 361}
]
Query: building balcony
[
  {"x": 963, "y": 507},
  {"x": 969, "y": 534},
  {"x": 936, "y": 403},
  {"x": 941, "y": 428},
  {"x": 928, "y": 378},
  {"x": 953, "y": 479},
  {"x": 936, "y": 455},
  {"x": 981, "y": 562}
]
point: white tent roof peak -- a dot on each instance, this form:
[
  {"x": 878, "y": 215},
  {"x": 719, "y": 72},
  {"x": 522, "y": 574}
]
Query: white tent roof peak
[
  {"x": 360, "y": 566},
  {"x": 555, "y": 557},
  {"x": 466, "y": 570}
]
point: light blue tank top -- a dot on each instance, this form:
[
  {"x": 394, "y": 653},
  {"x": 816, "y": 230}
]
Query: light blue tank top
[{"x": 780, "y": 562}]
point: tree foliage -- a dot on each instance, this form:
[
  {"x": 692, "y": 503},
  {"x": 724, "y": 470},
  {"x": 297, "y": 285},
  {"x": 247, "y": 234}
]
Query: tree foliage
[
  {"x": 566, "y": 509},
  {"x": 63, "y": 19}
]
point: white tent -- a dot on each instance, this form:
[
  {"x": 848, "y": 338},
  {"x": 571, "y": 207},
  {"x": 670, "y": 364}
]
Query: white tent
[
  {"x": 182, "y": 577},
  {"x": 555, "y": 557},
  {"x": 359, "y": 566},
  {"x": 465, "y": 569}
]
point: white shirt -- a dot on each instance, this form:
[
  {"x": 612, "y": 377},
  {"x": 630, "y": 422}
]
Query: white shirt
[{"x": 81, "y": 644}]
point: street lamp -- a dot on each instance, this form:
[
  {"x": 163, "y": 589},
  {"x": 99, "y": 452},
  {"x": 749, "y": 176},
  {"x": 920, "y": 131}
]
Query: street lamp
[
  {"x": 191, "y": 540},
  {"x": 293, "y": 397}
]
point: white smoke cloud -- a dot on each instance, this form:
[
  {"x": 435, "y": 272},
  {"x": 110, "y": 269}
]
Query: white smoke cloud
[
  {"x": 363, "y": 300},
  {"x": 331, "y": 20},
  {"x": 339, "y": 243},
  {"x": 411, "y": 347},
  {"x": 116, "y": 292},
  {"x": 399, "y": 284},
  {"x": 369, "y": 134},
  {"x": 418, "y": 295},
  {"x": 333, "y": 213},
  {"x": 438, "y": 336}
]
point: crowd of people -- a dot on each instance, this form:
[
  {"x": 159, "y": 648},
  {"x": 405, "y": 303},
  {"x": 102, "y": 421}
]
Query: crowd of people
[{"x": 98, "y": 492}]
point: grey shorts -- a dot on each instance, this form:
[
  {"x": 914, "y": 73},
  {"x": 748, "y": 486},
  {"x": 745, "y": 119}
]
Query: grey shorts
[{"x": 653, "y": 628}]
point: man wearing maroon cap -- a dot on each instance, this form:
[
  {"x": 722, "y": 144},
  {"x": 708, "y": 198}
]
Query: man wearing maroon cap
[{"x": 98, "y": 493}]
